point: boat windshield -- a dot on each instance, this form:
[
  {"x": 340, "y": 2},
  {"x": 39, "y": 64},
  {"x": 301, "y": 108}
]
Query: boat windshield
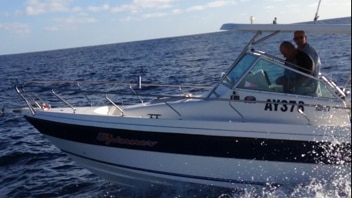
[
  {"x": 234, "y": 75},
  {"x": 260, "y": 72},
  {"x": 239, "y": 70},
  {"x": 272, "y": 76}
]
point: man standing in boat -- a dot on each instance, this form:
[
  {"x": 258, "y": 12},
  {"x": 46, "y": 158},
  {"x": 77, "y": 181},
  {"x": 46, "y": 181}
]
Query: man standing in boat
[
  {"x": 300, "y": 39},
  {"x": 299, "y": 60}
]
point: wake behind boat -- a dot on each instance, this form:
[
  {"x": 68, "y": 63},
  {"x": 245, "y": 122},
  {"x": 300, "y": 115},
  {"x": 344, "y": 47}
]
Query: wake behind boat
[{"x": 244, "y": 130}]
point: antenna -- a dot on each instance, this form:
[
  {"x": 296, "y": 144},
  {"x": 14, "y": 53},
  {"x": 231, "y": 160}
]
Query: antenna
[{"x": 316, "y": 13}]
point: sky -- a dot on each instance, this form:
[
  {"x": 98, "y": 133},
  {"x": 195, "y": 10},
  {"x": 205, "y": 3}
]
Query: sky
[{"x": 40, "y": 25}]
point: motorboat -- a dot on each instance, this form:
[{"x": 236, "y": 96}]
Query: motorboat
[{"x": 246, "y": 129}]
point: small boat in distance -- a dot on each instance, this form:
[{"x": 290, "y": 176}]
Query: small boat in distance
[{"x": 246, "y": 129}]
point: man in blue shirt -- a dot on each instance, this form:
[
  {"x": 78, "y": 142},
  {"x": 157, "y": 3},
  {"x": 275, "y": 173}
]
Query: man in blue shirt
[{"x": 300, "y": 39}]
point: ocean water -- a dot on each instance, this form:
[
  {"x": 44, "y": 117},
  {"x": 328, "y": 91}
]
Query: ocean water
[{"x": 30, "y": 166}]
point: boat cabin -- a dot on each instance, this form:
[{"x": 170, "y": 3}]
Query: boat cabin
[
  {"x": 255, "y": 84},
  {"x": 261, "y": 73}
]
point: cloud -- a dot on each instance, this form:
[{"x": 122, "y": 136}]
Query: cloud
[
  {"x": 196, "y": 8},
  {"x": 269, "y": 7},
  {"x": 154, "y": 15},
  {"x": 152, "y": 3},
  {"x": 76, "y": 9},
  {"x": 51, "y": 28},
  {"x": 76, "y": 20},
  {"x": 6, "y": 14},
  {"x": 140, "y": 5},
  {"x": 212, "y": 4},
  {"x": 171, "y": 8},
  {"x": 36, "y": 7},
  {"x": 124, "y": 8},
  {"x": 176, "y": 11},
  {"x": 215, "y": 4},
  {"x": 17, "y": 28},
  {"x": 99, "y": 8},
  {"x": 69, "y": 23}
]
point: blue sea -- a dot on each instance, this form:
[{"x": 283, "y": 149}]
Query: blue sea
[{"x": 30, "y": 166}]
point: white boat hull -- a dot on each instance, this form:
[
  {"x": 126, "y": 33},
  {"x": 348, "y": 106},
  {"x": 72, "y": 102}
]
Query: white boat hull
[
  {"x": 143, "y": 168},
  {"x": 138, "y": 152}
]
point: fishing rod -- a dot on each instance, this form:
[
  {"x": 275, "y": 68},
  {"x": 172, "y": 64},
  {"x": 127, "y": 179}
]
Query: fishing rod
[{"x": 316, "y": 13}]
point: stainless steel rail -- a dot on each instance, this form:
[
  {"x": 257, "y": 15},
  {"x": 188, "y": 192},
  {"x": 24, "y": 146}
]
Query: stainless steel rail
[
  {"x": 63, "y": 100},
  {"x": 299, "y": 110},
  {"x": 171, "y": 96},
  {"x": 337, "y": 90},
  {"x": 163, "y": 98},
  {"x": 178, "y": 113},
  {"x": 135, "y": 93},
  {"x": 115, "y": 105},
  {"x": 25, "y": 100},
  {"x": 242, "y": 117}
]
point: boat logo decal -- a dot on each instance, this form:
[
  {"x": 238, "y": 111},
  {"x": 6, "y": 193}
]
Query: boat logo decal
[
  {"x": 322, "y": 108},
  {"x": 108, "y": 138},
  {"x": 283, "y": 105}
]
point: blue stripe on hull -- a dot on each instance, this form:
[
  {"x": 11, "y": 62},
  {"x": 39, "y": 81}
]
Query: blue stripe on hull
[{"x": 200, "y": 145}]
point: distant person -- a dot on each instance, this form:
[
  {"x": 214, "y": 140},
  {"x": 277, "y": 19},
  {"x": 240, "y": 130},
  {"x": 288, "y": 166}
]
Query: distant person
[
  {"x": 275, "y": 21},
  {"x": 296, "y": 59},
  {"x": 251, "y": 18},
  {"x": 300, "y": 39}
]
